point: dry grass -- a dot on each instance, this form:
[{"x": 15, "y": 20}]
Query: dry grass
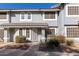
[{"x": 1, "y": 42}]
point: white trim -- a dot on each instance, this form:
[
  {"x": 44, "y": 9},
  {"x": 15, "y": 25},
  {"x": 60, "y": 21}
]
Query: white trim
[
  {"x": 30, "y": 34},
  {"x": 24, "y": 32},
  {"x": 7, "y": 17},
  {"x": 15, "y": 34},
  {"x": 49, "y": 19},
  {"x": 6, "y": 35},
  {"x": 65, "y": 32},
  {"x": 26, "y": 19},
  {"x": 66, "y": 8}
]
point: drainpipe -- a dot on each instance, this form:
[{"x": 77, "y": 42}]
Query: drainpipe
[{"x": 10, "y": 16}]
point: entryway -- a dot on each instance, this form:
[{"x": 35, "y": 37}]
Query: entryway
[{"x": 12, "y": 33}]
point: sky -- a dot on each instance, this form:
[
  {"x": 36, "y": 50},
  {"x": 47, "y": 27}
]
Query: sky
[{"x": 26, "y": 5}]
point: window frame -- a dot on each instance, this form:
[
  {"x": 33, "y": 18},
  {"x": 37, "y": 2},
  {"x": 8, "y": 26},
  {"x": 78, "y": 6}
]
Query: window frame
[
  {"x": 27, "y": 16},
  {"x": 49, "y": 19},
  {"x": 7, "y": 16},
  {"x": 54, "y": 29},
  {"x": 66, "y": 32},
  {"x": 66, "y": 8}
]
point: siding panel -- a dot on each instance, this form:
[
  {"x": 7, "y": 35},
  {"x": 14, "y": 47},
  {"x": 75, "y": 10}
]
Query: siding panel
[{"x": 36, "y": 17}]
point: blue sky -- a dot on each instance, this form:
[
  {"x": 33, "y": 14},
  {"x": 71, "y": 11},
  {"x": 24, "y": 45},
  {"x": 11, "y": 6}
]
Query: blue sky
[{"x": 26, "y": 5}]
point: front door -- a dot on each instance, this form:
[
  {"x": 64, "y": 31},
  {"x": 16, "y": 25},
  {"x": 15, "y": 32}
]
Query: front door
[
  {"x": 34, "y": 35},
  {"x": 12, "y": 31}
]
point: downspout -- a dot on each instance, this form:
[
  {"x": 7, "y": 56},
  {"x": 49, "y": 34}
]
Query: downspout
[{"x": 10, "y": 16}]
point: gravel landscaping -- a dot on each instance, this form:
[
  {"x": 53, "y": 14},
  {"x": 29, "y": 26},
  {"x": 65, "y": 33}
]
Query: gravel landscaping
[
  {"x": 63, "y": 51},
  {"x": 33, "y": 50}
]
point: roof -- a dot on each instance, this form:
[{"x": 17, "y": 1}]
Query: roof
[
  {"x": 57, "y": 5},
  {"x": 31, "y": 9},
  {"x": 24, "y": 25}
]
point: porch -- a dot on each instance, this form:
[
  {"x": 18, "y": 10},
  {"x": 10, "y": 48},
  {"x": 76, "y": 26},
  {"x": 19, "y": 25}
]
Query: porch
[{"x": 32, "y": 31}]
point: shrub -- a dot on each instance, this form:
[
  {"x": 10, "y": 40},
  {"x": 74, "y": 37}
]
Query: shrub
[
  {"x": 20, "y": 39},
  {"x": 69, "y": 42},
  {"x": 53, "y": 43},
  {"x": 61, "y": 38}
]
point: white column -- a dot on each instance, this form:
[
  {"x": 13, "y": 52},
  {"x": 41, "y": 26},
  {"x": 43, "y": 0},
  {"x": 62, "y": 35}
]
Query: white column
[
  {"x": 6, "y": 35},
  {"x": 43, "y": 35},
  {"x": 24, "y": 32},
  {"x": 16, "y": 34}
]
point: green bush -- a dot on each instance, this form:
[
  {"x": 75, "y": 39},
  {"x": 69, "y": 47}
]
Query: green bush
[
  {"x": 52, "y": 43},
  {"x": 69, "y": 42},
  {"x": 20, "y": 39}
]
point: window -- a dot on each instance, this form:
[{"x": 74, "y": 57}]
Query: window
[
  {"x": 72, "y": 10},
  {"x": 39, "y": 31},
  {"x": 25, "y": 16},
  {"x": 27, "y": 33},
  {"x": 73, "y": 32},
  {"x": 51, "y": 32},
  {"x": 20, "y": 32},
  {"x": 29, "y": 15},
  {"x": 49, "y": 15},
  {"x": 3, "y": 15}
]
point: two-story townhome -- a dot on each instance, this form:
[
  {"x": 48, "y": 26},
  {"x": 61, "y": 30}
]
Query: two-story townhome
[
  {"x": 35, "y": 24},
  {"x": 39, "y": 24}
]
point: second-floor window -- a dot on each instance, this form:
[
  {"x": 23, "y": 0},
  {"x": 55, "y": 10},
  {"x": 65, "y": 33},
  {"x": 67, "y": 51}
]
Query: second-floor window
[
  {"x": 29, "y": 15},
  {"x": 25, "y": 16},
  {"x": 72, "y": 10},
  {"x": 3, "y": 15},
  {"x": 22, "y": 15},
  {"x": 49, "y": 15}
]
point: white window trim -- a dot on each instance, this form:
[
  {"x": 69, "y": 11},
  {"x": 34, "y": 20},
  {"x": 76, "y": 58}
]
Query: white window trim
[
  {"x": 25, "y": 19},
  {"x": 66, "y": 31},
  {"x": 7, "y": 17},
  {"x": 49, "y": 19},
  {"x": 67, "y": 11}
]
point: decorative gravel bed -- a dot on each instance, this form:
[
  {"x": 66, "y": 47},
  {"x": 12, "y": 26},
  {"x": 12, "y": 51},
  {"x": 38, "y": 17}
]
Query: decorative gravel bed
[
  {"x": 16, "y": 46},
  {"x": 62, "y": 48}
]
